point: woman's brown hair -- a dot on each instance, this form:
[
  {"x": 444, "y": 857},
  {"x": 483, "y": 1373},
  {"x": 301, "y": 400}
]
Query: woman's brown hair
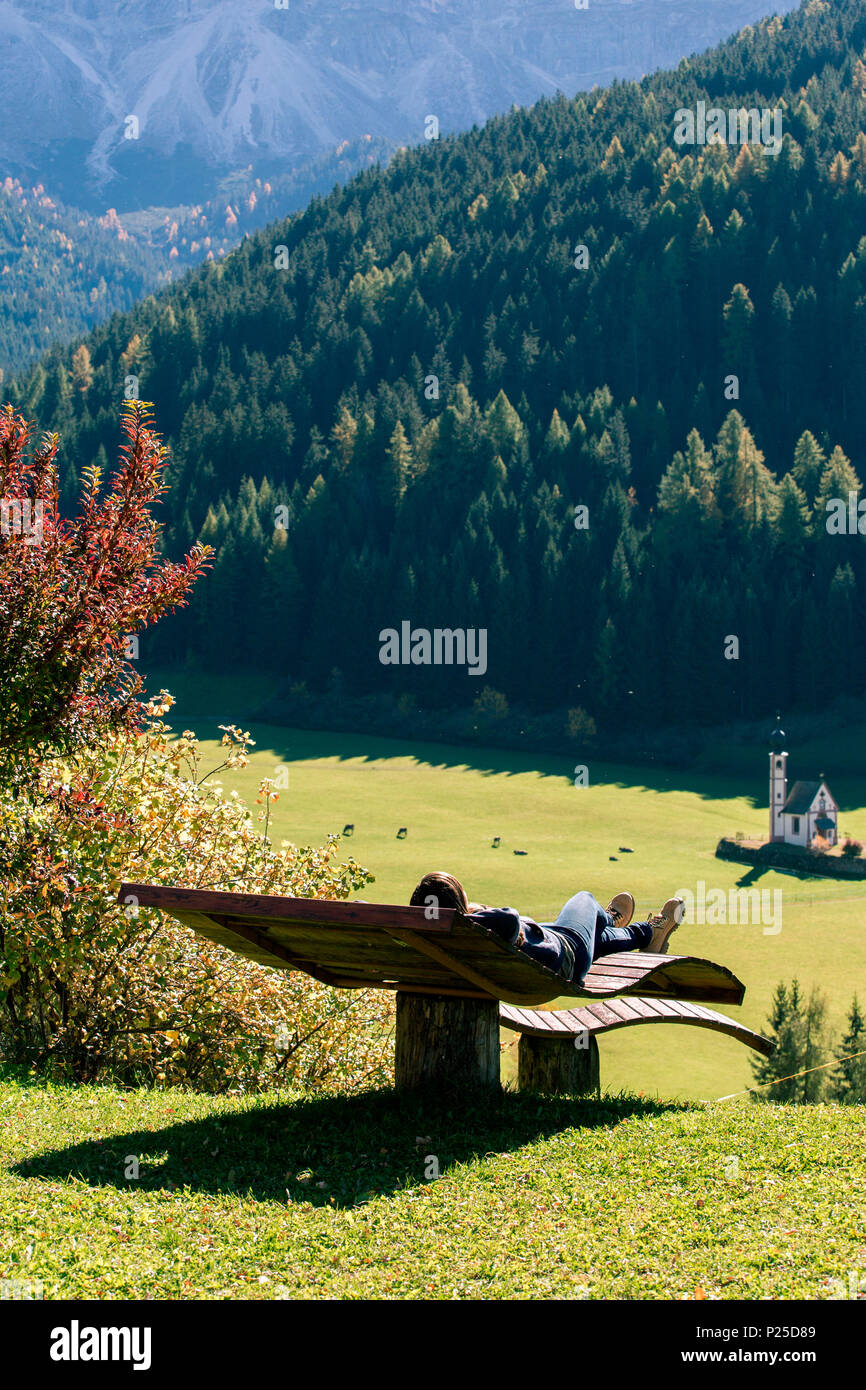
[{"x": 445, "y": 888}]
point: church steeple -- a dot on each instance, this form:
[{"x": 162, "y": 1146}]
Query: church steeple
[{"x": 778, "y": 780}]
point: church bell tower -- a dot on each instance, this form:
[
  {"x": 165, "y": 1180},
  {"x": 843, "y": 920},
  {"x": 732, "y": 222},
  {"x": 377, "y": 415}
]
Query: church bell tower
[{"x": 778, "y": 781}]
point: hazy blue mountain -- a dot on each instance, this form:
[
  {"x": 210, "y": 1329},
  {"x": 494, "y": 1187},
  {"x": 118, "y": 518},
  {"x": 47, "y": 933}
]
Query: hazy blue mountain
[{"x": 220, "y": 85}]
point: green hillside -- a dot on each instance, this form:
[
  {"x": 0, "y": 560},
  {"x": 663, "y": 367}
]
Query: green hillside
[
  {"x": 302, "y": 378},
  {"x": 64, "y": 269},
  {"x": 286, "y": 1197},
  {"x": 454, "y": 801}
]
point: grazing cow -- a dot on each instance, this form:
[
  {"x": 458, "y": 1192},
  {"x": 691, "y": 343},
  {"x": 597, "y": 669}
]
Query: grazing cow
[
  {"x": 496, "y": 842},
  {"x": 348, "y": 829},
  {"x": 402, "y": 833}
]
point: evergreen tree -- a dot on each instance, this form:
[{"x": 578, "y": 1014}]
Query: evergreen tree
[
  {"x": 737, "y": 342},
  {"x": 809, "y": 465},
  {"x": 798, "y": 1028},
  {"x": 848, "y": 1085},
  {"x": 791, "y": 522},
  {"x": 82, "y": 370}
]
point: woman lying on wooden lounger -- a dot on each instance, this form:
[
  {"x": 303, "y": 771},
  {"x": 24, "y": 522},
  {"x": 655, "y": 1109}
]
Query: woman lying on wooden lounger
[{"x": 583, "y": 931}]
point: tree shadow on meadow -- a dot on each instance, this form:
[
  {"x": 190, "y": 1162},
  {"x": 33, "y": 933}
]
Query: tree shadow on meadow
[
  {"x": 335, "y": 1151},
  {"x": 290, "y": 744},
  {"x": 758, "y": 871},
  {"x": 716, "y": 767}
]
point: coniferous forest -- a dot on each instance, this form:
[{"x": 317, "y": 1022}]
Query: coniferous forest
[
  {"x": 64, "y": 270},
  {"x": 390, "y": 406}
]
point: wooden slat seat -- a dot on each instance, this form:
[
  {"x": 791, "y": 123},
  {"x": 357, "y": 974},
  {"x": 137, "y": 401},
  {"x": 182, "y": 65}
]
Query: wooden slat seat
[
  {"x": 600, "y": 1017},
  {"x": 359, "y": 945}
]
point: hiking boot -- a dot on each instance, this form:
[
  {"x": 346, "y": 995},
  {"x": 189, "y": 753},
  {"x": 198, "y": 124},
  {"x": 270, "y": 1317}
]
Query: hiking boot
[
  {"x": 663, "y": 924},
  {"x": 621, "y": 909}
]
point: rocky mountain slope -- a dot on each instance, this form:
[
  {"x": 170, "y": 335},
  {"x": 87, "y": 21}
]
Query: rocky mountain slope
[{"x": 217, "y": 85}]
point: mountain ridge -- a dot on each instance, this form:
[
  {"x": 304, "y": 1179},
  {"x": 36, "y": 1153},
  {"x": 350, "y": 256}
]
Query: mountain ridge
[{"x": 220, "y": 85}]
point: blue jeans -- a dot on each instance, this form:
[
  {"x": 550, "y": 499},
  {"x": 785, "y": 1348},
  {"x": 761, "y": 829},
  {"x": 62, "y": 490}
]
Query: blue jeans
[
  {"x": 583, "y": 931},
  {"x": 590, "y": 931}
]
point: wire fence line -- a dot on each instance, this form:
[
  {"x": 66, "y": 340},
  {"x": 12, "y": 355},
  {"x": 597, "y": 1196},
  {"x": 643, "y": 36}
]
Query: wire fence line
[{"x": 777, "y": 1081}]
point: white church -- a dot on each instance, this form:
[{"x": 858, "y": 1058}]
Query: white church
[{"x": 807, "y": 810}]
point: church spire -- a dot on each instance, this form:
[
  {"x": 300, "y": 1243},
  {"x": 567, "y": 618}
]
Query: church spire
[{"x": 778, "y": 780}]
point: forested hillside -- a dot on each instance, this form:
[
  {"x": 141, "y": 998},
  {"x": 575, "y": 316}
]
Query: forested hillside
[
  {"x": 63, "y": 270},
  {"x": 311, "y": 387}
]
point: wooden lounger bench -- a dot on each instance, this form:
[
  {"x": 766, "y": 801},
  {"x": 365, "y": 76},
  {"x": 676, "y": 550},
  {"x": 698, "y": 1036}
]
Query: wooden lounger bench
[
  {"x": 558, "y": 1049},
  {"x": 455, "y": 980}
]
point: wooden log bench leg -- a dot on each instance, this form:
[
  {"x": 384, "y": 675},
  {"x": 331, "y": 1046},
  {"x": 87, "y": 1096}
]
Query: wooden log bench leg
[
  {"x": 555, "y": 1066},
  {"x": 446, "y": 1042}
]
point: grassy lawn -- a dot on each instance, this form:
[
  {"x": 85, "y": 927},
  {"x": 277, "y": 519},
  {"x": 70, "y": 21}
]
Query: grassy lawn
[
  {"x": 292, "y": 1197},
  {"x": 454, "y": 801}
]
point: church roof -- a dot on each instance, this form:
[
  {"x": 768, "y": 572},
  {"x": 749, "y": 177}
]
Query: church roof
[{"x": 801, "y": 796}]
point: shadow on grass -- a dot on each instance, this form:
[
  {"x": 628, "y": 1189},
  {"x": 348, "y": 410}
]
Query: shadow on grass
[
  {"x": 332, "y": 1151},
  {"x": 747, "y": 880},
  {"x": 726, "y": 767},
  {"x": 289, "y": 744}
]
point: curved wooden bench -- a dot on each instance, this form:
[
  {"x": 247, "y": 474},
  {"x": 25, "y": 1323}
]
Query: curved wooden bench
[
  {"x": 558, "y": 1049},
  {"x": 355, "y": 945},
  {"x": 454, "y": 979}
]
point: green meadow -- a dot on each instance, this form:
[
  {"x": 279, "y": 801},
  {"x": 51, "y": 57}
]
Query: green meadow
[
  {"x": 641, "y": 1193},
  {"x": 454, "y": 801}
]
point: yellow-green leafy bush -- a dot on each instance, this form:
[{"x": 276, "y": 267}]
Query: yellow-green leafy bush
[{"x": 92, "y": 989}]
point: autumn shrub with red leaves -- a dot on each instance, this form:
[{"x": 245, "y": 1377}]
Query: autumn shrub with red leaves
[
  {"x": 72, "y": 591},
  {"x": 95, "y": 789}
]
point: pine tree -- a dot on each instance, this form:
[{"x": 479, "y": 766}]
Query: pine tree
[
  {"x": 505, "y": 429},
  {"x": 840, "y": 170},
  {"x": 745, "y": 487},
  {"x": 686, "y": 492},
  {"x": 837, "y": 481},
  {"x": 398, "y": 467},
  {"x": 737, "y": 341},
  {"x": 815, "y": 1048},
  {"x": 344, "y": 434},
  {"x": 809, "y": 465},
  {"x": 791, "y": 522},
  {"x": 858, "y": 149},
  {"x": 556, "y": 440},
  {"x": 82, "y": 370},
  {"x": 848, "y": 1085},
  {"x": 798, "y": 1028},
  {"x": 780, "y": 345}
]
